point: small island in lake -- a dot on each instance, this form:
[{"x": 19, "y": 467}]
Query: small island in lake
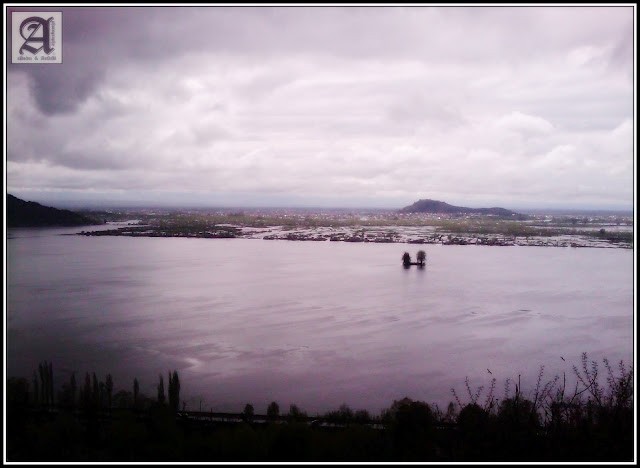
[{"x": 421, "y": 259}]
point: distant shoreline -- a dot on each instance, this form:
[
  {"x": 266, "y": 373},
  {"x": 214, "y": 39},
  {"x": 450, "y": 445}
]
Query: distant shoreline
[{"x": 316, "y": 235}]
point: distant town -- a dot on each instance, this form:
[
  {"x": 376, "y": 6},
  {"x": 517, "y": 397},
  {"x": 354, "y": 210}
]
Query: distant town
[
  {"x": 424, "y": 222},
  {"x": 381, "y": 226}
]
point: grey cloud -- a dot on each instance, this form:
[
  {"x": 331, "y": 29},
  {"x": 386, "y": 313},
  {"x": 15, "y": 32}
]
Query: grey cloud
[
  {"x": 317, "y": 101},
  {"x": 523, "y": 123},
  {"x": 417, "y": 108},
  {"x": 99, "y": 38},
  {"x": 95, "y": 39},
  {"x": 622, "y": 53},
  {"x": 61, "y": 90},
  {"x": 204, "y": 133},
  {"x": 95, "y": 160}
]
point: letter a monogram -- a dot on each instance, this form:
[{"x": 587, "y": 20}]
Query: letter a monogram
[{"x": 35, "y": 30}]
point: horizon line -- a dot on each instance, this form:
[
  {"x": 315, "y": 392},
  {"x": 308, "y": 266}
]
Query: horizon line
[{"x": 173, "y": 205}]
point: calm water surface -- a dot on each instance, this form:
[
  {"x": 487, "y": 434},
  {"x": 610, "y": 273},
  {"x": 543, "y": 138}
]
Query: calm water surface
[{"x": 311, "y": 323}]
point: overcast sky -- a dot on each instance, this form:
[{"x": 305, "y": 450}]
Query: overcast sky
[{"x": 329, "y": 106}]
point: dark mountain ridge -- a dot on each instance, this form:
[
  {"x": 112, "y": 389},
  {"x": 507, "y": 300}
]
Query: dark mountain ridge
[
  {"x": 440, "y": 207},
  {"x": 21, "y": 213}
]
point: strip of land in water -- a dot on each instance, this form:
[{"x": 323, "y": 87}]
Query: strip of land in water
[{"x": 604, "y": 231}]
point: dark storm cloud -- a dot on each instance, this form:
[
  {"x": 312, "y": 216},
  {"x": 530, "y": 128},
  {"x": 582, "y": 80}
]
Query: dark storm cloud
[
  {"x": 95, "y": 39},
  {"x": 61, "y": 90}
]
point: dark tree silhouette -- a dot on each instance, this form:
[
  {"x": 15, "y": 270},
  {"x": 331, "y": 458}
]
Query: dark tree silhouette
[
  {"x": 73, "y": 387},
  {"x": 362, "y": 416},
  {"x": 412, "y": 426},
  {"x": 136, "y": 392},
  {"x": 50, "y": 381},
  {"x": 406, "y": 259},
  {"x": 170, "y": 389},
  {"x": 176, "y": 387},
  {"x": 46, "y": 382},
  {"x": 109, "y": 389},
  {"x": 41, "y": 374},
  {"x": 161, "y": 390},
  {"x": 17, "y": 393},
  {"x": 86, "y": 391},
  {"x": 96, "y": 391},
  {"x": 295, "y": 413},
  {"x": 36, "y": 396},
  {"x": 247, "y": 414},
  {"x": 174, "y": 391},
  {"x": 102, "y": 395},
  {"x": 553, "y": 426},
  {"x": 422, "y": 257},
  {"x": 343, "y": 415},
  {"x": 273, "y": 410}
]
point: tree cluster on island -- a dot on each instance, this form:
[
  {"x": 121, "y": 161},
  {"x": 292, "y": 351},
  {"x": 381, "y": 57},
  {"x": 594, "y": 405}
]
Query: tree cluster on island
[{"x": 421, "y": 259}]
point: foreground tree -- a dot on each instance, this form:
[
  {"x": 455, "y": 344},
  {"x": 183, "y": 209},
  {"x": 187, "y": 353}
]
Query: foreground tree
[
  {"x": 161, "y": 391},
  {"x": 295, "y": 413},
  {"x": 406, "y": 259},
  {"x": 248, "y": 412},
  {"x": 73, "y": 386},
  {"x": 273, "y": 410},
  {"x": 174, "y": 391},
  {"x": 86, "y": 391},
  {"x": 109, "y": 389},
  {"x": 46, "y": 382},
  {"x": 136, "y": 392}
]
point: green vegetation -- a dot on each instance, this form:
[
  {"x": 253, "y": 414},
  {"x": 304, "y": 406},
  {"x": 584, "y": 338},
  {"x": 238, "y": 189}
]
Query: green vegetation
[{"x": 594, "y": 422}]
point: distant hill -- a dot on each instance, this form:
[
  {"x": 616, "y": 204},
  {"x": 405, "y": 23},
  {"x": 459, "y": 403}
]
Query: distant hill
[
  {"x": 439, "y": 207},
  {"x": 22, "y": 213}
]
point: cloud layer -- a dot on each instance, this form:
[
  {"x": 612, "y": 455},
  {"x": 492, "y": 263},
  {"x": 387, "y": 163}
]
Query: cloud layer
[{"x": 372, "y": 106}]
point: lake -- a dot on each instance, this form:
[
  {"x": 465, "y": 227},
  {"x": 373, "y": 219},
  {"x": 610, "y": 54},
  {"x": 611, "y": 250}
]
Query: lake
[{"x": 317, "y": 324}]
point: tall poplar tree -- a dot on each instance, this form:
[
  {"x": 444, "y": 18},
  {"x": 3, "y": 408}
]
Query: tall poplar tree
[{"x": 161, "y": 391}]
